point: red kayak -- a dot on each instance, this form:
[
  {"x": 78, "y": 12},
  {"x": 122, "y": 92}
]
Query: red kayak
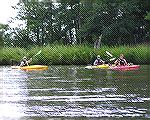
[{"x": 127, "y": 67}]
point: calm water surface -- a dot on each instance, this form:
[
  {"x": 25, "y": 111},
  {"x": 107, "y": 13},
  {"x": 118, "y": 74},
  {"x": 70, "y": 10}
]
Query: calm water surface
[{"x": 72, "y": 92}]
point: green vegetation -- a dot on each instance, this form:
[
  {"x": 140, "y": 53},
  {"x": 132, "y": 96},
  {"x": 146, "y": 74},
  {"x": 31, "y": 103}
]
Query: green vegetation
[
  {"x": 66, "y": 31},
  {"x": 69, "y": 22},
  {"x": 75, "y": 55},
  {"x": 104, "y": 24}
]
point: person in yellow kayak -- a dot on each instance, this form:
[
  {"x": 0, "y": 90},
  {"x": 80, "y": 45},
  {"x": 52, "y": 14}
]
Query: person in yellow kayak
[
  {"x": 98, "y": 61},
  {"x": 25, "y": 62},
  {"x": 121, "y": 61}
]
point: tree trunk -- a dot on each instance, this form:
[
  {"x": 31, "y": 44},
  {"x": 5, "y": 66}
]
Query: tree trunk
[
  {"x": 97, "y": 43},
  {"x": 38, "y": 37}
]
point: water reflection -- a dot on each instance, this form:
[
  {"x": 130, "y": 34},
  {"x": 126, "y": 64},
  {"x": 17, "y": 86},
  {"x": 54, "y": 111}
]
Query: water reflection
[
  {"x": 69, "y": 91},
  {"x": 12, "y": 89}
]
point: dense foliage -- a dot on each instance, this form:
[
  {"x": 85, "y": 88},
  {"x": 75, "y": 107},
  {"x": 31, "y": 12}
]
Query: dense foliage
[
  {"x": 74, "y": 55},
  {"x": 80, "y": 21}
]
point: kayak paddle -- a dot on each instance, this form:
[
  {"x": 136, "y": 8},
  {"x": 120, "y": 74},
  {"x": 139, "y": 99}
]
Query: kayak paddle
[
  {"x": 37, "y": 53},
  {"x": 108, "y": 53},
  {"x": 112, "y": 59}
]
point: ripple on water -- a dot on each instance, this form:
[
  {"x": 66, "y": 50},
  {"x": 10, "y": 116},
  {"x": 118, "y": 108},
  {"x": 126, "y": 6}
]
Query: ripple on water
[{"x": 24, "y": 94}]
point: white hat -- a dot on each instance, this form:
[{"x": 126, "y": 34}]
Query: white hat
[
  {"x": 98, "y": 56},
  {"x": 24, "y": 57}
]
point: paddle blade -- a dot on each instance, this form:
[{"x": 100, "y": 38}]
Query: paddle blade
[
  {"x": 112, "y": 59},
  {"x": 38, "y": 53},
  {"x": 108, "y": 53}
]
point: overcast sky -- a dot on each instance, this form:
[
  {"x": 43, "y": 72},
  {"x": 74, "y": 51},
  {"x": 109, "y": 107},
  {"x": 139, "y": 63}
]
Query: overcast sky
[{"x": 6, "y": 11}]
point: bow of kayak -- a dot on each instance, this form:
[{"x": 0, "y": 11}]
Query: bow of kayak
[
  {"x": 104, "y": 66},
  {"x": 32, "y": 67}
]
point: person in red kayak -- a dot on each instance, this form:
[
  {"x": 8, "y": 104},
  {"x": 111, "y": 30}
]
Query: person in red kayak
[
  {"x": 98, "y": 61},
  {"x": 121, "y": 61},
  {"x": 25, "y": 62}
]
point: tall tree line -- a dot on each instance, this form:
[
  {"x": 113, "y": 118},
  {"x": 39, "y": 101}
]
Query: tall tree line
[{"x": 80, "y": 21}]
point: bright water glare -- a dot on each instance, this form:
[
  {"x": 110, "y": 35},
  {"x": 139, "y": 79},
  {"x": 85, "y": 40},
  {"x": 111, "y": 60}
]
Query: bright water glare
[{"x": 64, "y": 92}]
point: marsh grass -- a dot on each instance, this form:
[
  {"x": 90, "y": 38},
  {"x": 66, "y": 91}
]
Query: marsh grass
[
  {"x": 12, "y": 54},
  {"x": 75, "y": 55}
]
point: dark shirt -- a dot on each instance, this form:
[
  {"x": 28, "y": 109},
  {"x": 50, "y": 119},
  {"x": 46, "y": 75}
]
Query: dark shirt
[
  {"x": 98, "y": 62},
  {"x": 121, "y": 61}
]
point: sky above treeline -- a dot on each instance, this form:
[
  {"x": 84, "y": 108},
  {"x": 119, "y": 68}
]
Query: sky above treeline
[{"x": 6, "y": 11}]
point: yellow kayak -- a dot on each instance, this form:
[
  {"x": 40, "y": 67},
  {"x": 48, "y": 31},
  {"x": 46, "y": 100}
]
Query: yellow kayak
[
  {"x": 104, "y": 66},
  {"x": 31, "y": 67}
]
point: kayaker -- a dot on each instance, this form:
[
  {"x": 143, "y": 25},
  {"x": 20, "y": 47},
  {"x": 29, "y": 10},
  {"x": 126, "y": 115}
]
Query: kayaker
[
  {"x": 25, "y": 62},
  {"x": 121, "y": 61},
  {"x": 98, "y": 61}
]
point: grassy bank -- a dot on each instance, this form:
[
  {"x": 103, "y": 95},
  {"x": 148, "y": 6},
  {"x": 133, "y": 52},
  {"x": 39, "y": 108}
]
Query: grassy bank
[{"x": 74, "y": 55}]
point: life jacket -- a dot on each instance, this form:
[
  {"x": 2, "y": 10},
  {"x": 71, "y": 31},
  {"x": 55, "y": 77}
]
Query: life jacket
[
  {"x": 25, "y": 63},
  {"x": 121, "y": 61},
  {"x": 99, "y": 62}
]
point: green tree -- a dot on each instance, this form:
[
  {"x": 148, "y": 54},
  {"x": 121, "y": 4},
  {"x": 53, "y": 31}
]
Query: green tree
[
  {"x": 69, "y": 22},
  {"x": 2, "y": 30},
  {"x": 38, "y": 18},
  {"x": 119, "y": 22}
]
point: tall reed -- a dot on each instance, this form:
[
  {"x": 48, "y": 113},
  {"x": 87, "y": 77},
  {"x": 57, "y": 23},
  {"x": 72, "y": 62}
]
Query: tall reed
[{"x": 75, "y": 55}]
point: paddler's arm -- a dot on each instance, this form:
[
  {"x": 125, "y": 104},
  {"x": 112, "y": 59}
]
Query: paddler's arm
[
  {"x": 21, "y": 64},
  {"x": 27, "y": 62},
  {"x": 95, "y": 62},
  {"x": 116, "y": 62},
  {"x": 125, "y": 62},
  {"x": 30, "y": 60},
  {"x": 103, "y": 61}
]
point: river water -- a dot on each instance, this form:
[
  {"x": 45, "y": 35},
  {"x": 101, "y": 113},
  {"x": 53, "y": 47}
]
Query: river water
[{"x": 72, "y": 92}]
